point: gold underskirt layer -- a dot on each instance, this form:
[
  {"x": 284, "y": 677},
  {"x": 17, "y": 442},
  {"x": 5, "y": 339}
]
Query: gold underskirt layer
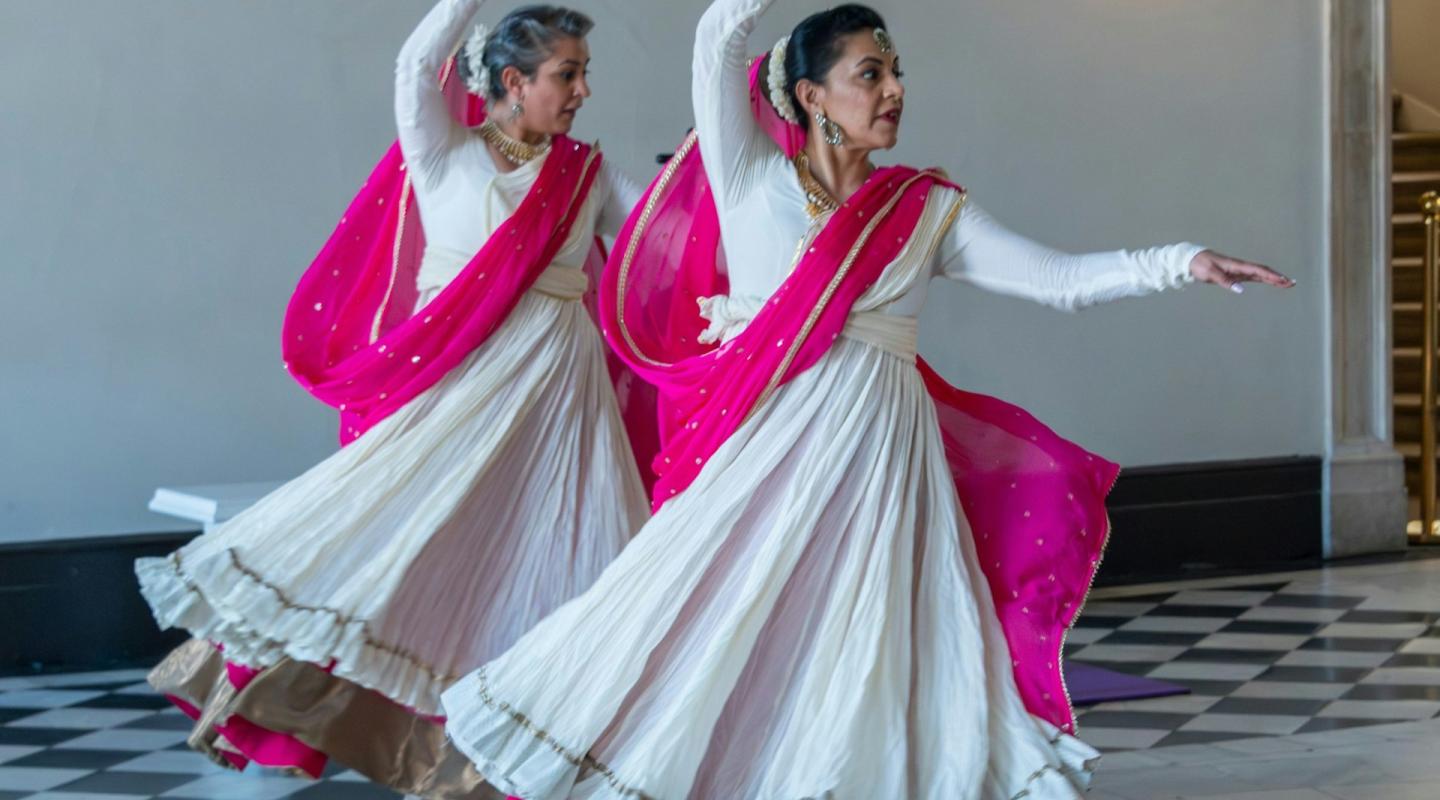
[{"x": 357, "y": 727}]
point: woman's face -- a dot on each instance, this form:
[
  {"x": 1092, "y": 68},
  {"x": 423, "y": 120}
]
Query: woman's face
[
  {"x": 554, "y": 96},
  {"x": 862, "y": 92}
]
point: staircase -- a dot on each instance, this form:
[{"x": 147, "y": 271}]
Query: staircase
[{"x": 1416, "y": 171}]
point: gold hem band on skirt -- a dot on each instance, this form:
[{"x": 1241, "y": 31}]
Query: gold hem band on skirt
[{"x": 357, "y": 727}]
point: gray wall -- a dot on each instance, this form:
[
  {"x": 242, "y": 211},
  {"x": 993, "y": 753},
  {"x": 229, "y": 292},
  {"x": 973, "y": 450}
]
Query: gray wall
[{"x": 168, "y": 168}]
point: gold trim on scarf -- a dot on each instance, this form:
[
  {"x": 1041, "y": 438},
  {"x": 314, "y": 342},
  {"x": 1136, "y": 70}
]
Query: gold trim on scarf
[
  {"x": 641, "y": 223},
  {"x": 403, "y": 215},
  {"x": 946, "y": 224},
  {"x": 1084, "y": 599},
  {"x": 394, "y": 255},
  {"x": 830, "y": 290},
  {"x": 585, "y": 170},
  {"x": 445, "y": 73}
]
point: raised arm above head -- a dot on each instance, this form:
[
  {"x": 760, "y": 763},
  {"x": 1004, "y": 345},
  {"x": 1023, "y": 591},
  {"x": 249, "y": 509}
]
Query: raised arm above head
[
  {"x": 422, "y": 116},
  {"x": 731, "y": 142}
]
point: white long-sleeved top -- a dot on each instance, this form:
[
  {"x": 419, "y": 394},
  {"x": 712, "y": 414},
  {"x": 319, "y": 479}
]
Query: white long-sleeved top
[
  {"x": 763, "y": 217},
  {"x": 462, "y": 194}
]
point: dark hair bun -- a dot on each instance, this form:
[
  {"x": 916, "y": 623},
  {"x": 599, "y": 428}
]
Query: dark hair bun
[{"x": 815, "y": 45}]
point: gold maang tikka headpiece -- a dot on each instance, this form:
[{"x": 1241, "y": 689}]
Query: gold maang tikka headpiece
[{"x": 882, "y": 38}]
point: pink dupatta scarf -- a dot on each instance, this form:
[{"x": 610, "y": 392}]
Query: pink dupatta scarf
[
  {"x": 1035, "y": 502},
  {"x": 352, "y": 336}
]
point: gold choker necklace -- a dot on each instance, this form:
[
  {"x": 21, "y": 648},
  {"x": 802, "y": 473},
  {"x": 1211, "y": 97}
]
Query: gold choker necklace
[
  {"x": 818, "y": 200},
  {"x": 515, "y": 151}
]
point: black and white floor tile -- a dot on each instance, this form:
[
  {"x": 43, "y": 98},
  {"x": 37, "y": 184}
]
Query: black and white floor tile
[
  {"x": 108, "y": 736},
  {"x": 1296, "y": 658},
  {"x": 1261, "y": 659}
]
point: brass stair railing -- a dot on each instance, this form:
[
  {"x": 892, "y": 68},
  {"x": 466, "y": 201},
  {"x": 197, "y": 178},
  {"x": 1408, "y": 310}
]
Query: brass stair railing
[{"x": 1426, "y": 533}]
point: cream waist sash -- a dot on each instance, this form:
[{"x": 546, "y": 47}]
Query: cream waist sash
[
  {"x": 439, "y": 266},
  {"x": 895, "y": 334}
]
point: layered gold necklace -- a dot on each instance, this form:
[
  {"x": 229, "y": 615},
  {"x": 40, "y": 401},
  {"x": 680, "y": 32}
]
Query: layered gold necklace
[
  {"x": 818, "y": 200},
  {"x": 515, "y": 151}
]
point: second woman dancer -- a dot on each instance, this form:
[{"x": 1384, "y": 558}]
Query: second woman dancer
[{"x": 859, "y": 578}]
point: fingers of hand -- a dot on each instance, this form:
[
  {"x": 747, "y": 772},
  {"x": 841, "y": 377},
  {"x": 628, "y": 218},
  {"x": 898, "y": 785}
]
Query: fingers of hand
[
  {"x": 1266, "y": 275},
  {"x": 1219, "y": 275},
  {"x": 1259, "y": 273}
]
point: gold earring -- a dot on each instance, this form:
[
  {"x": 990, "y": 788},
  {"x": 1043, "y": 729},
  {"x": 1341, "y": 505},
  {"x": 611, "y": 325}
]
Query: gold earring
[{"x": 833, "y": 134}]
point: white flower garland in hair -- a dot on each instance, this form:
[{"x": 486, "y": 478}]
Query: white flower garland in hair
[
  {"x": 777, "y": 79},
  {"x": 479, "y": 80}
]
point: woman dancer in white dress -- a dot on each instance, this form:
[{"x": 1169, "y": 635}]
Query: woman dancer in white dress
[
  {"x": 361, "y": 589},
  {"x": 805, "y": 616}
]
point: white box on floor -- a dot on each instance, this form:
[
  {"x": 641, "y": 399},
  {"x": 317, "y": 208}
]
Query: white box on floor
[{"x": 208, "y": 505}]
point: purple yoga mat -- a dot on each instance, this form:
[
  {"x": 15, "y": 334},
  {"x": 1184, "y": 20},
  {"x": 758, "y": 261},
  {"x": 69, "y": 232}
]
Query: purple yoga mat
[{"x": 1090, "y": 684}]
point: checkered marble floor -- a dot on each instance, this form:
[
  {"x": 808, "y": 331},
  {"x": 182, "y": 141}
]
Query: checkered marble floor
[
  {"x": 108, "y": 736},
  {"x": 1264, "y": 658},
  {"x": 1295, "y": 658}
]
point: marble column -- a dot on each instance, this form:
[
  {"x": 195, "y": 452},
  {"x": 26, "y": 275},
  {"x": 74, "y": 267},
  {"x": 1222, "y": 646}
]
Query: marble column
[{"x": 1365, "y": 500}]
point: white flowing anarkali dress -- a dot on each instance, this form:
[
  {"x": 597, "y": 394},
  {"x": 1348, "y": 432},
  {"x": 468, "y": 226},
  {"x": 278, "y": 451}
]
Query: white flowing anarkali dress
[
  {"x": 807, "y": 619},
  {"x": 430, "y": 544}
]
